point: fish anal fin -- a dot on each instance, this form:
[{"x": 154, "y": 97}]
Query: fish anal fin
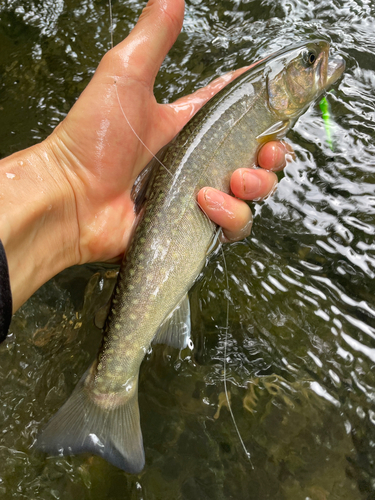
[
  {"x": 81, "y": 425},
  {"x": 176, "y": 328}
]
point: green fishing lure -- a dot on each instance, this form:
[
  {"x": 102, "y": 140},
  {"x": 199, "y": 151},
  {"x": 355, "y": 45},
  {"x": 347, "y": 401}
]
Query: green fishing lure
[{"x": 324, "y": 106}]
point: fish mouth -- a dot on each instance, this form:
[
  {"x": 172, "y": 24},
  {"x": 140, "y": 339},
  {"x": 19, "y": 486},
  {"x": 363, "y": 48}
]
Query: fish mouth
[
  {"x": 331, "y": 68},
  {"x": 335, "y": 68}
]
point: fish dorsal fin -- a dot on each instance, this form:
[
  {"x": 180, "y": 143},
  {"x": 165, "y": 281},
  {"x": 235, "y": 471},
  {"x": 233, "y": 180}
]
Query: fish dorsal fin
[
  {"x": 175, "y": 329},
  {"x": 275, "y": 131},
  {"x": 141, "y": 185}
]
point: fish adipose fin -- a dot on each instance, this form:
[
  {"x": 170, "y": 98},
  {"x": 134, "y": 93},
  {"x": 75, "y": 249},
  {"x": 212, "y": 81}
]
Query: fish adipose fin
[
  {"x": 82, "y": 426},
  {"x": 175, "y": 329}
]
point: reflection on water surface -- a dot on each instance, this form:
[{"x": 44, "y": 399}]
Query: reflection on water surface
[{"x": 301, "y": 341}]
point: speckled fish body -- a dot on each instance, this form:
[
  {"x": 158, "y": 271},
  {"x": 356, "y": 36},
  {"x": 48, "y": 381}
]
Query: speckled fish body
[{"x": 171, "y": 243}]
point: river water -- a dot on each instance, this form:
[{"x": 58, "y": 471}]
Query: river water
[{"x": 301, "y": 338}]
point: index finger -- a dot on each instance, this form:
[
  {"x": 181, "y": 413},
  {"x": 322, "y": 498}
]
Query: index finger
[{"x": 186, "y": 107}]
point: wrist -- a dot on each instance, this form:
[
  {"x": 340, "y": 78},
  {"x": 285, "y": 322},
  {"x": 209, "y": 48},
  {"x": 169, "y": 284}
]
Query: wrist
[{"x": 38, "y": 224}]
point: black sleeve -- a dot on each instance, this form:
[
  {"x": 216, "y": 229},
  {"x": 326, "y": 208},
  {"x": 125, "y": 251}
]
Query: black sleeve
[{"x": 5, "y": 295}]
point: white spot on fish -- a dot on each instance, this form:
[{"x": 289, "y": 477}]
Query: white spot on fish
[
  {"x": 94, "y": 438},
  {"x": 128, "y": 385}
]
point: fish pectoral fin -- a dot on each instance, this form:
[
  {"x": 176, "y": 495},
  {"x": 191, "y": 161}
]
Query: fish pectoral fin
[
  {"x": 215, "y": 243},
  {"x": 81, "y": 425},
  {"x": 275, "y": 131},
  {"x": 176, "y": 328}
]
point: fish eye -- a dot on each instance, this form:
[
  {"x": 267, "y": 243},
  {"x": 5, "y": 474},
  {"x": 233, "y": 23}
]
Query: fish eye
[{"x": 311, "y": 58}]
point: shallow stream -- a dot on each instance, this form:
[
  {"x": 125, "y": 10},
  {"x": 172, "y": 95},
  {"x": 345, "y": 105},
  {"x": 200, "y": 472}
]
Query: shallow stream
[{"x": 301, "y": 340}]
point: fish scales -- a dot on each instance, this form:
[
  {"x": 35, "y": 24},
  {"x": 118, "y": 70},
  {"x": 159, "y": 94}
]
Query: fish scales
[
  {"x": 147, "y": 294},
  {"x": 171, "y": 242}
]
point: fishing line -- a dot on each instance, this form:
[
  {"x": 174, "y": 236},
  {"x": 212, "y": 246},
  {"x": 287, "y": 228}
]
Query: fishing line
[
  {"x": 119, "y": 102},
  {"x": 247, "y": 453},
  {"x": 111, "y": 21}
]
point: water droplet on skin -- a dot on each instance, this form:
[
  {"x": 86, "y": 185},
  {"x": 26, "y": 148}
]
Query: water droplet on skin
[{"x": 10, "y": 175}]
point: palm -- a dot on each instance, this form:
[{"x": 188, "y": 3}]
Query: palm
[
  {"x": 97, "y": 145},
  {"x": 108, "y": 155}
]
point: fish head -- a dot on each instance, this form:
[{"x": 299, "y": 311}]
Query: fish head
[{"x": 295, "y": 77}]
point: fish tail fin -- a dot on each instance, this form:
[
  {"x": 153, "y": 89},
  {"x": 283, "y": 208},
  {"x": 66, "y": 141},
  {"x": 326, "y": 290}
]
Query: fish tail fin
[{"x": 81, "y": 425}]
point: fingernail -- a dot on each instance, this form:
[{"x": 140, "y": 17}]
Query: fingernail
[
  {"x": 214, "y": 199},
  {"x": 251, "y": 184}
]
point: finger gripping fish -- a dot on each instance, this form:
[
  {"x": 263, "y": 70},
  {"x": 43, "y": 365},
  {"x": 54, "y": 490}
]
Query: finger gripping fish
[{"x": 171, "y": 243}]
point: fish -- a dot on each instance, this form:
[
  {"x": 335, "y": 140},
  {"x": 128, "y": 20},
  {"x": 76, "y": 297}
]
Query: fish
[{"x": 172, "y": 241}]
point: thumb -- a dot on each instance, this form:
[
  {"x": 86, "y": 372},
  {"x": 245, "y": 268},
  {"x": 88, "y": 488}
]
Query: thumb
[{"x": 141, "y": 54}]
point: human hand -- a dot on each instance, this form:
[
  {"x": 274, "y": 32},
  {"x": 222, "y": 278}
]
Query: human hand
[
  {"x": 72, "y": 202},
  {"x": 233, "y": 214},
  {"x": 100, "y": 144}
]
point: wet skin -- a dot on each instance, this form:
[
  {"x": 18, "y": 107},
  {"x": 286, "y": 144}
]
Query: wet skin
[
  {"x": 113, "y": 161},
  {"x": 76, "y": 185}
]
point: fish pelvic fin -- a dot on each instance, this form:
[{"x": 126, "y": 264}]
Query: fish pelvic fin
[
  {"x": 82, "y": 425},
  {"x": 176, "y": 328}
]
